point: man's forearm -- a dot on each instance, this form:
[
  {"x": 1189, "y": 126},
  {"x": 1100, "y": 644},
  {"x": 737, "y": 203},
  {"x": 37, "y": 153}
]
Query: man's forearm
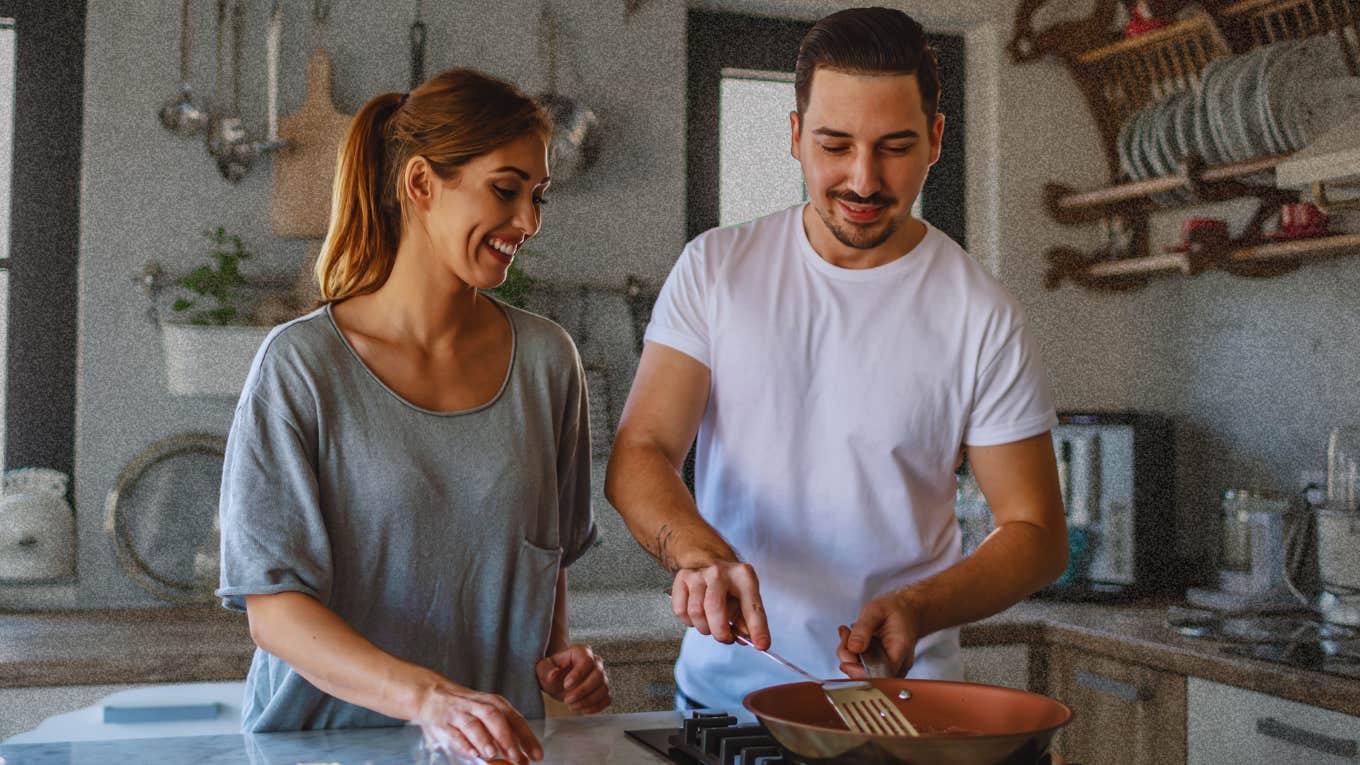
[
  {"x": 653, "y": 500},
  {"x": 1012, "y": 563}
]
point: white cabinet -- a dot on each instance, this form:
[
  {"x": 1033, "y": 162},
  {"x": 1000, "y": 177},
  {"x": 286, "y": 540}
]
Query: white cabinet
[
  {"x": 21, "y": 709},
  {"x": 1232, "y": 726},
  {"x": 102, "y": 712},
  {"x": 1004, "y": 665}
]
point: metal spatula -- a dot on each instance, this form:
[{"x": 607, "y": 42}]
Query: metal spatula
[{"x": 862, "y": 706}]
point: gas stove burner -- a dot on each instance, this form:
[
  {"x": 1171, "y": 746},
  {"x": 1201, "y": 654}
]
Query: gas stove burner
[
  {"x": 713, "y": 738},
  {"x": 1255, "y": 630}
]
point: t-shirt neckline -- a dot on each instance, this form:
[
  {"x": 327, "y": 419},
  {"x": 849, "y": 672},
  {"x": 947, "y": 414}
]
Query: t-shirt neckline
[
  {"x": 889, "y": 269},
  {"x": 505, "y": 384}
]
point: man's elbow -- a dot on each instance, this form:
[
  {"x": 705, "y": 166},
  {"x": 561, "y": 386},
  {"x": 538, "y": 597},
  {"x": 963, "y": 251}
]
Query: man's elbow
[{"x": 1056, "y": 553}]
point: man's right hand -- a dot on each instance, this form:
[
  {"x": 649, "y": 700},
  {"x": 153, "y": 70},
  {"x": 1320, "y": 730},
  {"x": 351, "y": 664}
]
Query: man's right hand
[
  {"x": 721, "y": 597},
  {"x": 474, "y": 724}
]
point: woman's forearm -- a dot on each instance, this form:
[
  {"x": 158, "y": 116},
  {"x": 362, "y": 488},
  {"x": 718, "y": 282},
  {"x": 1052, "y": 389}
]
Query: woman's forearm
[{"x": 335, "y": 658}]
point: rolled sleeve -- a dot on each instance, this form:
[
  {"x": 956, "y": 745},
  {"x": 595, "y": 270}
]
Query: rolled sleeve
[{"x": 274, "y": 538}]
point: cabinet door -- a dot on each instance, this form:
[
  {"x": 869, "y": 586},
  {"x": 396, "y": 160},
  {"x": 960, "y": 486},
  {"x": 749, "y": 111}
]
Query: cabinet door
[
  {"x": 1004, "y": 665},
  {"x": 1122, "y": 713},
  {"x": 642, "y": 687},
  {"x": 1229, "y": 726}
]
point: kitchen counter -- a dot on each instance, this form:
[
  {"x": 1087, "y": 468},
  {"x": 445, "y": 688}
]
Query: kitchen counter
[
  {"x": 208, "y": 643},
  {"x": 597, "y": 740}
]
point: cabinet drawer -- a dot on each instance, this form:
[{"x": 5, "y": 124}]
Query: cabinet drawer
[
  {"x": 1122, "y": 713},
  {"x": 644, "y": 687},
  {"x": 1233, "y": 725}
]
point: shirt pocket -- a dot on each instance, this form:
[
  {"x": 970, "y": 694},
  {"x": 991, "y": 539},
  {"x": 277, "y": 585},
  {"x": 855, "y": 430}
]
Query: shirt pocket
[{"x": 533, "y": 596}]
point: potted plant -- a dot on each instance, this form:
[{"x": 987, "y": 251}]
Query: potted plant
[{"x": 209, "y": 351}]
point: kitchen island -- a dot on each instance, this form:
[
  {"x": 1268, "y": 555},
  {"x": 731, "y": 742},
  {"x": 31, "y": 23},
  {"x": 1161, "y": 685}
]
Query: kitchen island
[{"x": 597, "y": 740}]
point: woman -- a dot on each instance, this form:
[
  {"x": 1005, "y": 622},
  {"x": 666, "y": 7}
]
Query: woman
[{"x": 407, "y": 475}]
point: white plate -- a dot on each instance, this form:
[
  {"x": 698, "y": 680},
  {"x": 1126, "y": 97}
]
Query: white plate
[
  {"x": 1124, "y": 145},
  {"x": 1205, "y": 144},
  {"x": 1217, "y": 109},
  {"x": 1328, "y": 103},
  {"x": 1320, "y": 60},
  {"x": 1251, "y": 129},
  {"x": 1236, "y": 101},
  {"x": 1272, "y": 94}
]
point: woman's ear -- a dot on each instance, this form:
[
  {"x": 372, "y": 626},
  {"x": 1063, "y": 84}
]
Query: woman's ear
[{"x": 417, "y": 181}]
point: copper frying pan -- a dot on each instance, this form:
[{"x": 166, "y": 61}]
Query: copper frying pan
[{"x": 1000, "y": 726}]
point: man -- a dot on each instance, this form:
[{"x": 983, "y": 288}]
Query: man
[{"x": 836, "y": 360}]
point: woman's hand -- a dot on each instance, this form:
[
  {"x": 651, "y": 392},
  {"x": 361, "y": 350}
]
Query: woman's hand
[
  {"x": 474, "y": 724},
  {"x": 575, "y": 676}
]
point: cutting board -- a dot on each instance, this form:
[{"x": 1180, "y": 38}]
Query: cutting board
[{"x": 304, "y": 172}]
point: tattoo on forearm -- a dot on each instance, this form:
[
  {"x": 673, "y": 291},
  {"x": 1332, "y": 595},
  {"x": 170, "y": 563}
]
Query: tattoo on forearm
[{"x": 660, "y": 550}]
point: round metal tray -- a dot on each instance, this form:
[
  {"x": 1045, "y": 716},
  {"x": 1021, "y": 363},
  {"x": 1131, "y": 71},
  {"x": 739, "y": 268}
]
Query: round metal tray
[{"x": 161, "y": 517}]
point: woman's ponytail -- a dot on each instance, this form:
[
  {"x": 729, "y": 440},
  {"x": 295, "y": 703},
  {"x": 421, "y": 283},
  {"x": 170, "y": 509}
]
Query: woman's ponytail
[{"x": 361, "y": 240}]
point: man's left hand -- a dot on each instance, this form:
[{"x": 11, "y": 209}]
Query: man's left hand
[{"x": 891, "y": 618}]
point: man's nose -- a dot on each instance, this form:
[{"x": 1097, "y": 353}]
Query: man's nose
[{"x": 864, "y": 175}]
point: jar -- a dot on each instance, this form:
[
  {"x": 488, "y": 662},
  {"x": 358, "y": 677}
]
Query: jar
[{"x": 37, "y": 526}]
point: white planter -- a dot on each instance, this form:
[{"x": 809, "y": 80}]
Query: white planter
[{"x": 208, "y": 361}]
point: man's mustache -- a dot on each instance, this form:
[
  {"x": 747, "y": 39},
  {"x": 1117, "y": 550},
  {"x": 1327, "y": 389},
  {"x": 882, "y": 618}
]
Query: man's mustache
[{"x": 877, "y": 200}]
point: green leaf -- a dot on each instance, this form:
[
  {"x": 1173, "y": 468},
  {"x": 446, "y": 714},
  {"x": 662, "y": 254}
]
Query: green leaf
[{"x": 182, "y": 304}]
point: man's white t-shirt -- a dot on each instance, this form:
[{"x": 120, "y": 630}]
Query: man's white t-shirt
[{"x": 839, "y": 403}]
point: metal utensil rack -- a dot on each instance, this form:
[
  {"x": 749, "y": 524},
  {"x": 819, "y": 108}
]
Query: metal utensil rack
[{"x": 1122, "y": 76}]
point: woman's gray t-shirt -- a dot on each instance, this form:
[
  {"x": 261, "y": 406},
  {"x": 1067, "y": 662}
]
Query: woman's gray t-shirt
[{"x": 437, "y": 536}]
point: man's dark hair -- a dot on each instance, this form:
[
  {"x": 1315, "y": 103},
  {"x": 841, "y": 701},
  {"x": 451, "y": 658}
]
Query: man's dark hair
[{"x": 869, "y": 41}]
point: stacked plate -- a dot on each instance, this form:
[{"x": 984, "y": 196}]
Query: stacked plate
[{"x": 1272, "y": 100}]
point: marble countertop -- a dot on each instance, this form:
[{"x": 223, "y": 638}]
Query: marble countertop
[
  {"x": 209, "y": 643},
  {"x": 597, "y": 740}
]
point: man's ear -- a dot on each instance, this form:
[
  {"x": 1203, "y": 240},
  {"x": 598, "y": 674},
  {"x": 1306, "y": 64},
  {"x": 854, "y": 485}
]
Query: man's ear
[
  {"x": 795, "y": 130},
  {"x": 936, "y": 138}
]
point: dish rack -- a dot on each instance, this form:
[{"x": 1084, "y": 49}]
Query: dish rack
[{"x": 1119, "y": 79}]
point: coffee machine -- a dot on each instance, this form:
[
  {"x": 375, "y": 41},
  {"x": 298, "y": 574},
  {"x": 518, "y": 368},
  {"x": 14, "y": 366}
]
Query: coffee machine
[{"x": 1117, "y": 474}]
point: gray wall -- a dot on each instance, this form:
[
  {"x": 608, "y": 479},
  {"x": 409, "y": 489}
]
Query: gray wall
[{"x": 1217, "y": 351}]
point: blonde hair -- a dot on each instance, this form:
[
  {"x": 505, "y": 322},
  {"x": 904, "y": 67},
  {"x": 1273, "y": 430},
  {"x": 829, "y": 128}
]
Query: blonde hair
[{"x": 455, "y": 117}]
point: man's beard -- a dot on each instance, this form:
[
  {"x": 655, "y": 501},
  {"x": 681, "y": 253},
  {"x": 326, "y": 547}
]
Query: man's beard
[{"x": 854, "y": 236}]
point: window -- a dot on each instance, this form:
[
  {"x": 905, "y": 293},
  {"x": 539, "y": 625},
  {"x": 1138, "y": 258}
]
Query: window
[
  {"x": 7, "y": 55},
  {"x": 756, "y": 174},
  {"x": 42, "y": 72}
]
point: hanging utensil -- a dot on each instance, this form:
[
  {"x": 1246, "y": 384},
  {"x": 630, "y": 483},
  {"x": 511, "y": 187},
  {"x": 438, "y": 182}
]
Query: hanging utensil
[
  {"x": 228, "y": 142},
  {"x": 575, "y": 140},
  {"x": 417, "y": 49},
  {"x": 180, "y": 115}
]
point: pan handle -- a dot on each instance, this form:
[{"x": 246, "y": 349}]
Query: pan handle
[{"x": 1111, "y": 687}]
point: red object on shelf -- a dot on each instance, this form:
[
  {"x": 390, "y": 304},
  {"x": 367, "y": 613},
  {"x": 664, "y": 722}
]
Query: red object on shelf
[
  {"x": 1138, "y": 26},
  {"x": 1143, "y": 18},
  {"x": 1213, "y": 226}
]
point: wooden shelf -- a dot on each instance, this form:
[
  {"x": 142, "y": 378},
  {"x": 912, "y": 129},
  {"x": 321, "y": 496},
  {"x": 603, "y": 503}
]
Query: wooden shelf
[
  {"x": 1195, "y": 25},
  {"x": 1123, "y": 78},
  {"x": 1205, "y": 184},
  {"x": 1257, "y": 259}
]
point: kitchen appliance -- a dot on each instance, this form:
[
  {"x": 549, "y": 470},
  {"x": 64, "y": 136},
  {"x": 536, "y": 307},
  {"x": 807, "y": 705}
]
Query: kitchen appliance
[
  {"x": 1116, "y": 472},
  {"x": 37, "y": 526},
  {"x": 1300, "y": 640},
  {"x": 1338, "y": 529},
  {"x": 1252, "y": 556},
  {"x": 798, "y": 726}
]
